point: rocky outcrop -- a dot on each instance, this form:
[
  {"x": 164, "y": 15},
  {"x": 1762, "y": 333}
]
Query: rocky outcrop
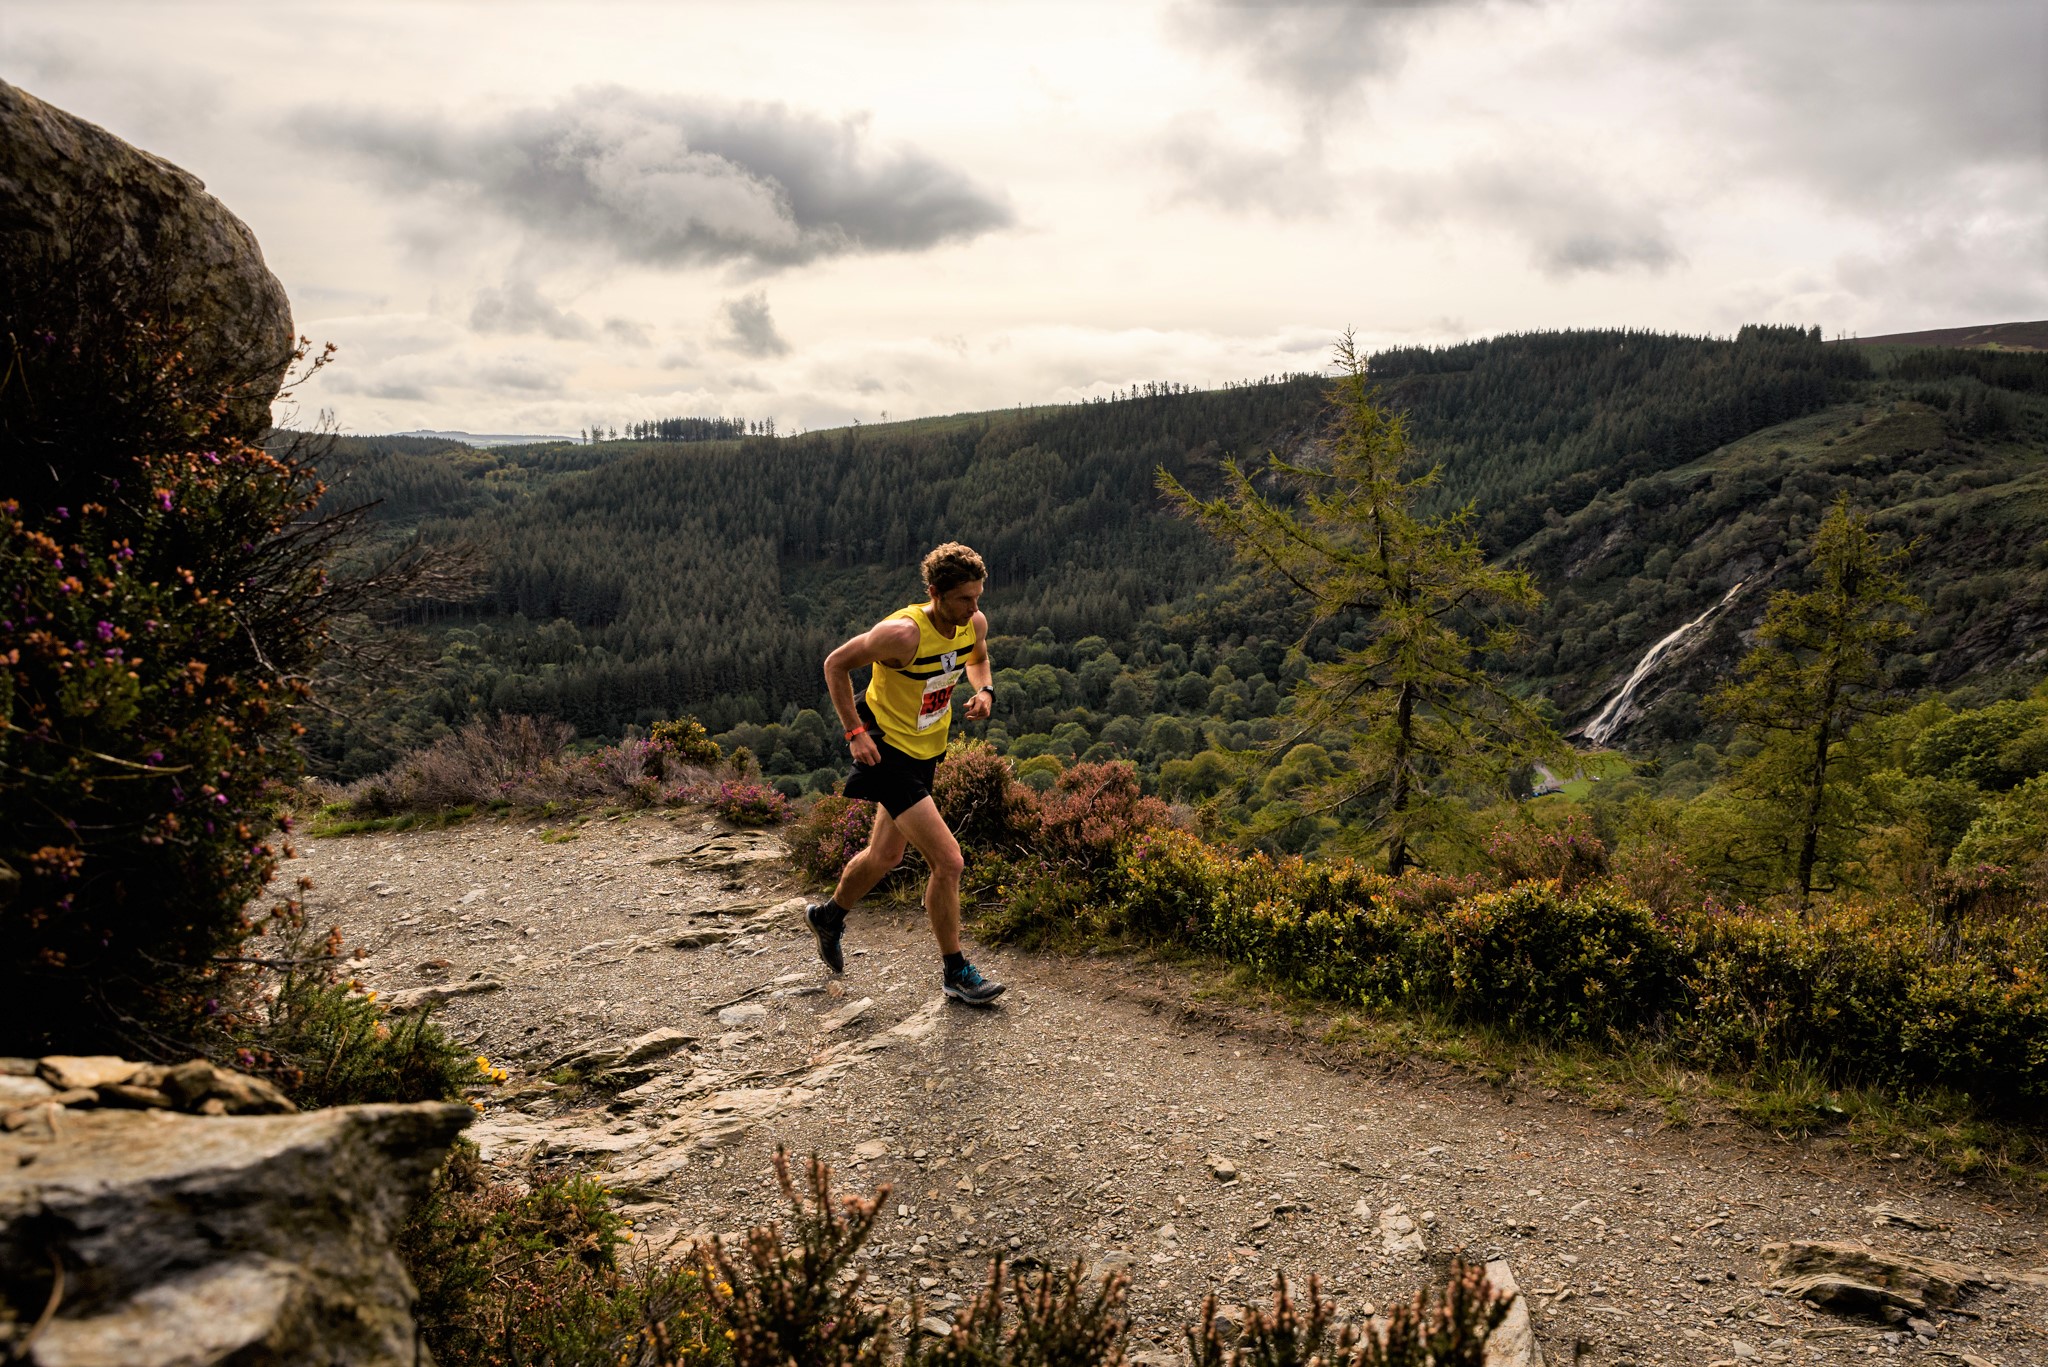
[
  {"x": 73, "y": 197},
  {"x": 1858, "y": 1280},
  {"x": 131, "y": 1238},
  {"x": 33, "y": 1090}
]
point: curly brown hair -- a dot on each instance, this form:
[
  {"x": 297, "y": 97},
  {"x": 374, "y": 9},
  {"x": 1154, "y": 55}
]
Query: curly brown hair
[{"x": 951, "y": 565}]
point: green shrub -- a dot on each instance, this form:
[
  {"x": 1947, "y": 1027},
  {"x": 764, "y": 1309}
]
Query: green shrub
[
  {"x": 325, "y": 1044},
  {"x": 1879, "y": 994},
  {"x": 1565, "y": 966}
]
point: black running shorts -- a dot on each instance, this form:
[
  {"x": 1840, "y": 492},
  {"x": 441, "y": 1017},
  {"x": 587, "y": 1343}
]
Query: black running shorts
[{"x": 896, "y": 780}]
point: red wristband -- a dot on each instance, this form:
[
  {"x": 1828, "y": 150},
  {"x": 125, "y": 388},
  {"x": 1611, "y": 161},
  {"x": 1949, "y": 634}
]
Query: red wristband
[{"x": 857, "y": 731}]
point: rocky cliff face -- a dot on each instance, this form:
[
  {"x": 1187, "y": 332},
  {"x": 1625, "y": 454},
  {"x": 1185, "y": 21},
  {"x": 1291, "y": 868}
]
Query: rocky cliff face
[
  {"x": 131, "y": 234},
  {"x": 139, "y": 1237}
]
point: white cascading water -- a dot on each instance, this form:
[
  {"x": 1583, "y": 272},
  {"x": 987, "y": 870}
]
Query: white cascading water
[{"x": 1610, "y": 718}]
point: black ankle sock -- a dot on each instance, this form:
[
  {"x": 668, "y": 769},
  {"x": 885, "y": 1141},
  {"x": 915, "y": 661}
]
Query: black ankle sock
[
  {"x": 833, "y": 911},
  {"x": 955, "y": 962}
]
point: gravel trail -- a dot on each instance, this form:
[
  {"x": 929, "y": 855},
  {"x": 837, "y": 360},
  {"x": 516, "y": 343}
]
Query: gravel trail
[{"x": 1090, "y": 1113}]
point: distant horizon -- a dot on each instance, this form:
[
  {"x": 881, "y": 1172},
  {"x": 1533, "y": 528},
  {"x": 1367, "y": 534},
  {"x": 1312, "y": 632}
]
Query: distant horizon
[{"x": 2037, "y": 326}]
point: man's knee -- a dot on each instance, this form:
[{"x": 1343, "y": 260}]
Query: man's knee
[
  {"x": 948, "y": 864},
  {"x": 887, "y": 853}
]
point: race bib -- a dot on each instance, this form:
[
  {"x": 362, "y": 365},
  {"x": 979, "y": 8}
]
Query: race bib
[{"x": 936, "y": 705}]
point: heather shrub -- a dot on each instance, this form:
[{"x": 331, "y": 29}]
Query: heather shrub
[
  {"x": 1570, "y": 856},
  {"x": 526, "y": 761},
  {"x": 1447, "y": 1329},
  {"x": 980, "y": 798},
  {"x": 744, "y": 802},
  {"x": 1091, "y": 811},
  {"x": 512, "y": 1274},
  {"x": 826, "y": 834},
  {"x": 502, "y": 758},
  {"x": 796, "y": 1297},
  {"x": 152, "y": 639}
]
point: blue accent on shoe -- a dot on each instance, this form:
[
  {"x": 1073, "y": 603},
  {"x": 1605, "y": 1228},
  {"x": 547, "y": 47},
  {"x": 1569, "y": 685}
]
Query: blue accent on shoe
[
  {"x": 826, "y": 929},
  {"x": 967, "y": 985}
]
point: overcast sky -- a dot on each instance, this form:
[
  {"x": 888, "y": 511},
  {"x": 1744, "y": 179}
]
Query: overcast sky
[{"x": 532, "y": 217}]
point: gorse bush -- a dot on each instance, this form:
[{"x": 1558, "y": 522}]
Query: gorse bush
[{"x": 687, "y": 740}]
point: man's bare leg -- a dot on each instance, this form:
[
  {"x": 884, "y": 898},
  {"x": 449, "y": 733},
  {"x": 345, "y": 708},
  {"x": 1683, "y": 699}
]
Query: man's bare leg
[
  {"x": 927, "y": 830},
  {"x": 883, "y": 852}
]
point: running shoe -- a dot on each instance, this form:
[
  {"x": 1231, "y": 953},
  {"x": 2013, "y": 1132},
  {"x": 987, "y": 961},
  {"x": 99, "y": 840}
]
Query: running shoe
[
  {"x": 826, "y": 928},
  {"x": 967, "y": 985}
]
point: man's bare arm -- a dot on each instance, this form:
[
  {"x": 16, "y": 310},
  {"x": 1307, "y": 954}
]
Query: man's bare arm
[
  {"x": 980, "y": 672},
  {"x": 890, "y": 642}
]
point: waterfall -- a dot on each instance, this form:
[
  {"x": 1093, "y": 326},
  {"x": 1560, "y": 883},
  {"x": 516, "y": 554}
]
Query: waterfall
[{"x": 1610, "y": 718}]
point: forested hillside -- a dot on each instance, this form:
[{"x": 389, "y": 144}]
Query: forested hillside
[{"x": 1638, "y": 476}]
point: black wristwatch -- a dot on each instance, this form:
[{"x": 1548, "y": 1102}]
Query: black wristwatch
[{"x": 985, "y": 688}]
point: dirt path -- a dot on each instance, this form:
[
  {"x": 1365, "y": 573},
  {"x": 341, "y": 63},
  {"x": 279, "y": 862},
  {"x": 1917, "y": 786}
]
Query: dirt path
[{"x": 1080, "y": 1117}]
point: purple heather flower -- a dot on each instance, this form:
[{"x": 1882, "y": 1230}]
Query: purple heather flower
[
  {"x": 156, "y": 757},
  {"x": 163, "y": 500},
  {"x": 63, "y": 513},
  {"x": 106, "y": 631}
]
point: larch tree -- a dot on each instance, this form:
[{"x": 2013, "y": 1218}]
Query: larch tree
[
  {"x": 1422, "y": 716},
  {"x": 1816, "y": 672}
]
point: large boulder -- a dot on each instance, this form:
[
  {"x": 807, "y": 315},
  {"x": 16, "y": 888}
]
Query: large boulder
[
  {"x": 213, "y": 1239},
  {"x": 135, "y": 236}
]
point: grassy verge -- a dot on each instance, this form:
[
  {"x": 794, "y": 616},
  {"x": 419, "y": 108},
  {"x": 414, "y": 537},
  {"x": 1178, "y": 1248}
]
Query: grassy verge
[
  {"x": 332, "y": 821},
  {"x": 1944, "y": 1130}
]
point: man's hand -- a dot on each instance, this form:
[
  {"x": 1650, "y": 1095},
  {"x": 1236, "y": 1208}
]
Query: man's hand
[
  {"x": 979, "y": 706},
  {"x": 863, "y": 748}
]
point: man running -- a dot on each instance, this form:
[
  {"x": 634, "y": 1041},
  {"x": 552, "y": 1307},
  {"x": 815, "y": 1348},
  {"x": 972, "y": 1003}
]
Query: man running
[{"x": 897, "y": 732}]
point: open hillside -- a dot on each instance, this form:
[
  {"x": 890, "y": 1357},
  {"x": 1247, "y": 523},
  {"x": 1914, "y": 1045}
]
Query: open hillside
[{"x": 1638, "y": 476}]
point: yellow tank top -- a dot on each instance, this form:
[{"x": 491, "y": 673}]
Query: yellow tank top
[{"x": 915, "y": 704}]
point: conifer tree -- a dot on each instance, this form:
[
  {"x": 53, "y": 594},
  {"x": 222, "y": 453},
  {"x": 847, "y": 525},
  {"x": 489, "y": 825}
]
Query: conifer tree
[
  {"x": 1817, "y": 670},
  {"x": 1421, "y": 714}
]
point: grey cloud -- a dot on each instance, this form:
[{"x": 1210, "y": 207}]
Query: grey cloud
[
  {"x": 1317, "y": 51},
  {"x": 520, "y": 376},
  {"x": 750, "y": 328},
  {"x": 1571, "y": 223},
  {"x": 519, "y": 307},
  {"x": 1878, "y": 105},
  {"x": 344, "y": 382},
  {"x": 626, "y": 331},
  {"x": 1214, "y": 170},
  {"x": 666, "y": 180}
]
